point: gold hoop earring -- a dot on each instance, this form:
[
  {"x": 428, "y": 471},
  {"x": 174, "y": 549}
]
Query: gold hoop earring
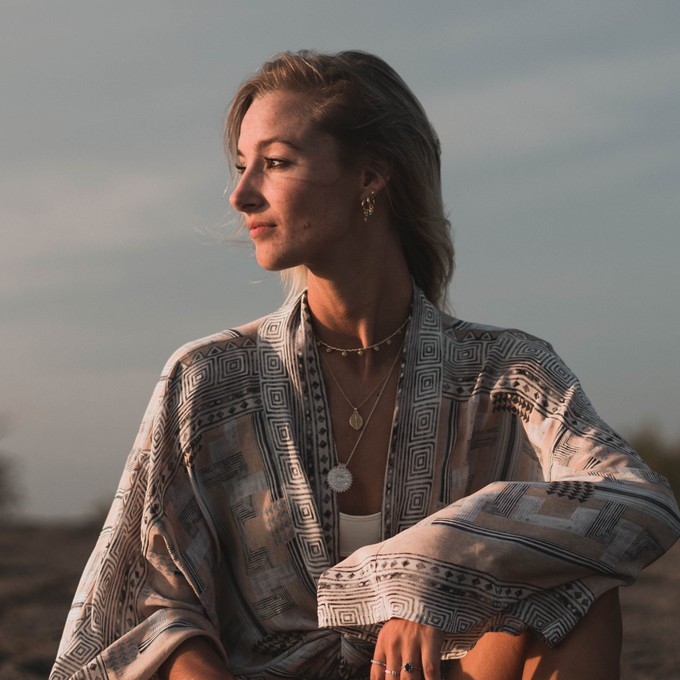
[{"x": 368, "y": 206}]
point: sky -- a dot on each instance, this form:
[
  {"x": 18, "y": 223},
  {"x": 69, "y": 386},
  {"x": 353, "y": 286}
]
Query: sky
[{"x": 561, "y": 167}]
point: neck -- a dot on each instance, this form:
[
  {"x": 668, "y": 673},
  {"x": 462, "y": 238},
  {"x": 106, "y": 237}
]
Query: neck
[{"x": 358, "y": 311}]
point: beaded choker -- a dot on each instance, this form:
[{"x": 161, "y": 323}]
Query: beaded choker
[{"x": 360, "y": 351}]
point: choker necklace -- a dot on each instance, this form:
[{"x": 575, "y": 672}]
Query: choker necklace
[
  {"x": 360, "y": 351},
  {"x": 356, "y": 420},
  {"x": 339, "y": 478}
]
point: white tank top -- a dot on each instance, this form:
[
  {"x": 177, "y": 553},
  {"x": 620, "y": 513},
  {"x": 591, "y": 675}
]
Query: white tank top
[{"x": 357, "y": 531}]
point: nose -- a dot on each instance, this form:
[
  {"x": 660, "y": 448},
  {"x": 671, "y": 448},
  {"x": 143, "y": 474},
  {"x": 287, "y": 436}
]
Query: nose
[{"x": 246, "y": 196}]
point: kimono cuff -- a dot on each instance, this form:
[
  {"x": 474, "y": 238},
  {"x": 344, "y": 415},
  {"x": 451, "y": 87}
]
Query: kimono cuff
[{"x": 142, "y": 652}]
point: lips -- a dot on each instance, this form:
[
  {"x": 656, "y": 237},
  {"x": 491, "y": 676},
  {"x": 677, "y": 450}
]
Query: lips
[{"x": 257, "y": 229}]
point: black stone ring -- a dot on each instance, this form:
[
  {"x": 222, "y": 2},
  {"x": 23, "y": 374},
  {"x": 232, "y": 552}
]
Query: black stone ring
[{"x": 410, "y": 667}]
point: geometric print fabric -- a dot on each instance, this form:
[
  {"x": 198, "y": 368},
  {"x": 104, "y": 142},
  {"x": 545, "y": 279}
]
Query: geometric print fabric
[{"x": 508, "y": 505}]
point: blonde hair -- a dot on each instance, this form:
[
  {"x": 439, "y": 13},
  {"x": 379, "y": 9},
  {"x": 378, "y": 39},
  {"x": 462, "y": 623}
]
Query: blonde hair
[{"x": 367, "y": 107}]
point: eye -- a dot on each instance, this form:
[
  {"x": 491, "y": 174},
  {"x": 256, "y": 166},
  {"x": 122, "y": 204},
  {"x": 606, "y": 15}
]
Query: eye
[
  {"x": 273, "y": 163},
  {"x": 240, "y": 169}
]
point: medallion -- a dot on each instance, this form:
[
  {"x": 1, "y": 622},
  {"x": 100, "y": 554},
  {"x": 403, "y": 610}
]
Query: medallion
[
  {"x": 355, "y": 420},
  {"x": 339, "y": 478}
]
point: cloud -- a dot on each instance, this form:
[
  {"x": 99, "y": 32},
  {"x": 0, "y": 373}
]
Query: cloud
[
  {"x": 52, "y": 213},
  {"x": 66, "y": 209},
  {"x": 567, "y": 106}
]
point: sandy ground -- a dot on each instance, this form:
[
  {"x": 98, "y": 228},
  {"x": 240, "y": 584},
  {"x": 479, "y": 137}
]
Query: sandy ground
[{"x": 40, "y": 567}]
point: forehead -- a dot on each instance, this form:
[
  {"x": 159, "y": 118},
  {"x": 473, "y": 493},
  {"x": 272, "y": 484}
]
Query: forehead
[{"x": 280, "y": 114}]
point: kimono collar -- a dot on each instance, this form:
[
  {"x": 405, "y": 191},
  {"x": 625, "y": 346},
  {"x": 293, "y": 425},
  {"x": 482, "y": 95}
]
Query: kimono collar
[{"x": 298, "y": 425}]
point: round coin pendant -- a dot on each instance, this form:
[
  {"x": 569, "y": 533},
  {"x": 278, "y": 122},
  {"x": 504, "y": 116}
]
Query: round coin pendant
[
  {"x": 339, "y": 478},
  {"x": 355, "y": 420}
]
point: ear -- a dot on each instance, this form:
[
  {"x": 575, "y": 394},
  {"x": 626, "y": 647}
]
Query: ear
[{"x": 375, "y": 176}]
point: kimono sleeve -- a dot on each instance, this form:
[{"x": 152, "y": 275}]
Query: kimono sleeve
[
  {"x": 519, "y": 553},
  {"x": 148, "y": 586}
]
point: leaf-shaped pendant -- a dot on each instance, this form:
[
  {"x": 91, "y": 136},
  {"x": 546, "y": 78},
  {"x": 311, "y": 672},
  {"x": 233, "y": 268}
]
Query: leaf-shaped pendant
[{"x": 355, "y": 420}]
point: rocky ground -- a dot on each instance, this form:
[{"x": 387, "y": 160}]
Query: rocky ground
[{"x": 40, "y": 566}]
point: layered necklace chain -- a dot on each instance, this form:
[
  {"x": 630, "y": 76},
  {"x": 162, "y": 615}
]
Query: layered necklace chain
[
  {"x": 339, "y": 477},
  {"x": 356, "y": 420}
]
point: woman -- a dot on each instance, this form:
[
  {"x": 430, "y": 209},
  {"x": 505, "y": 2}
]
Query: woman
[{"x": 360, "y": 485}]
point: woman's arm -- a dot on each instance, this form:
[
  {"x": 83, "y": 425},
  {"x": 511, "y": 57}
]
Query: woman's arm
[{"x": 195, "y": 659}]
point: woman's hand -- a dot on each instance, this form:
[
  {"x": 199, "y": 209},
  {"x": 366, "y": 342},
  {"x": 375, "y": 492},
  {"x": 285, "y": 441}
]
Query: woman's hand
[{"x": 408, "y": 649}]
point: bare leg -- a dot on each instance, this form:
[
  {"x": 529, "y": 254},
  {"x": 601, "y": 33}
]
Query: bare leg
[
  {"x": 592, "y": 650},
  {"x": 497, "y": 656}
]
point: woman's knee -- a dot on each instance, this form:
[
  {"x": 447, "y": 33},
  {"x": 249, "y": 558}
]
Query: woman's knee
[{"x": 592, "y": 650}]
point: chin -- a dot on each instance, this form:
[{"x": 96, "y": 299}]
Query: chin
[{"x": 273, "y": 264}]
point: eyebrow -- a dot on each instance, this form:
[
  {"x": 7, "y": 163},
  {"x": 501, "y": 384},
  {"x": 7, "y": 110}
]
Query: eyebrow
[{"x": 274, "y": 140}]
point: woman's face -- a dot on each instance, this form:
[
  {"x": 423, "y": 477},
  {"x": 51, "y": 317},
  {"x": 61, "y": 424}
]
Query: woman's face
[{"x": 301, "y": 205}]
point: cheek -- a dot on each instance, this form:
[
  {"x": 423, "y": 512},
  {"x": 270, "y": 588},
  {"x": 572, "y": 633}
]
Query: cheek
[
  {"x": 300, "y": 205},
  {"x": 311, "y": 212},
  {"x": 312, "y": 207}
]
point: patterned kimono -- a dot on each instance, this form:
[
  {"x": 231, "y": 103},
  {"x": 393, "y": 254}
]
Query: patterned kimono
[{"x": 508, "y": 505}]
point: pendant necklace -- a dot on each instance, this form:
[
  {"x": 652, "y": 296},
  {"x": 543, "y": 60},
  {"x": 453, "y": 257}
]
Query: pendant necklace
[
  {"x": 339, "y": 477},
  {"x": 356, "y": 420}
]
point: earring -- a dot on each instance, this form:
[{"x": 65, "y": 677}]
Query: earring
[{"x": 368, "y": 206}]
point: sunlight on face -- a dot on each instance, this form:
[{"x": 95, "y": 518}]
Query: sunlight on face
[{"x": 300, "y": 204}]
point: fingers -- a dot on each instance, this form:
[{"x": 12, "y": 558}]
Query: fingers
[
  {"x": 431, "y": 656},
  {"x": 377, "y": 668},
  {"x": 407, "y": 650},
  {"x": 408, "y": 669}
]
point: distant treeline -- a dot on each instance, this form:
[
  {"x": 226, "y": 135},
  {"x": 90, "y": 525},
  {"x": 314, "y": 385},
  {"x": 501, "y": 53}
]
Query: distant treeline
[
  {"x": 9, "y": 494},
  {"x": 8, "y": 490}
]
